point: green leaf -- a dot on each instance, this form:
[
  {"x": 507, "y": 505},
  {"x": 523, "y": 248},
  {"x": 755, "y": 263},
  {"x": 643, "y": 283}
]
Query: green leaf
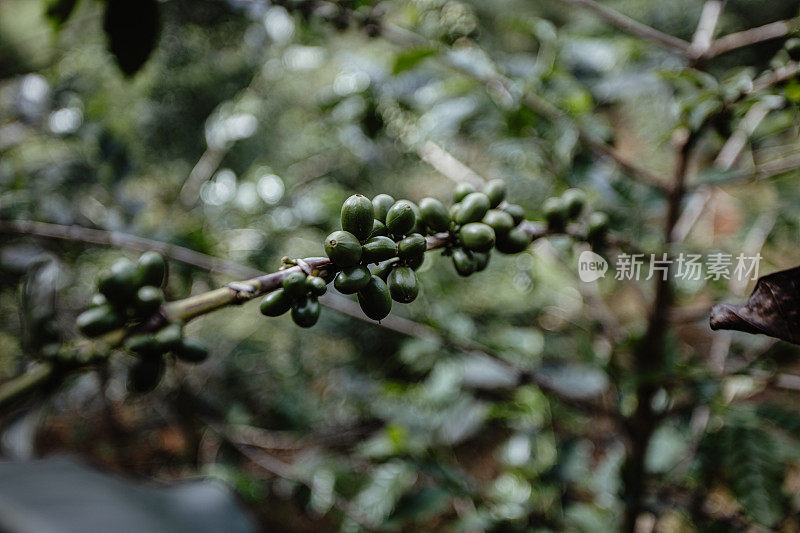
[
  {"x": 58, "y": 11},
  {"x": 378, "y": 498},
  {"x": 749, "y": 458},
  {"x": 410, "y": 58},
  {"x": 419, "y": 506},
  {"x": 792, "y": 91},
  {"x": 785, "y": 419}
]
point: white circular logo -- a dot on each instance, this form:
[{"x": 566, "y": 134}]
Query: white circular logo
[{"x": 591, "y": 266}]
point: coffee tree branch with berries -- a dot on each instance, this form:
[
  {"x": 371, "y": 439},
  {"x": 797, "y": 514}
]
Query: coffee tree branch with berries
[{"x": 374, "y": 256}]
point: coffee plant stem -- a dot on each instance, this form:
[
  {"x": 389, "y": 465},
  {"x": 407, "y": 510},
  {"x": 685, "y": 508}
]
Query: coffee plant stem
[
  {"x": 35, "y": 377},
  {"x": 742, "y": 39},
  {"x": 652, "y": 353}
]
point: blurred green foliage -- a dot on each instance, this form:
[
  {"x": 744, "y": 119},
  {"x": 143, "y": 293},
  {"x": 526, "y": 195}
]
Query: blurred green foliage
[{"x": 240, "y": 136}]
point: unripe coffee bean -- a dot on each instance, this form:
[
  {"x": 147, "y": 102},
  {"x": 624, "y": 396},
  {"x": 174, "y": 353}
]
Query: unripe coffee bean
[
  {"x": 461, "y": 191},
  {"x": 357, "y": 216},
  {"x": 495, "y": 190},
  {"x": 343, "y": 249},
  {"x": 381, "y": 205}
]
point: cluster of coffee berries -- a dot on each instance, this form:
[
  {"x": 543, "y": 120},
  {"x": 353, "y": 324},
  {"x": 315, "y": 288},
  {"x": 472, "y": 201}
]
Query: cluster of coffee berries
[
  {"x": 298, "y": 292},
  {"x": 560, "y": 211},
  {"x": 482, "y": 220},
  {"x": 383, "y": 242},
  {"x": 385, "y": 233},
  {"x": 128, "y": 296}
]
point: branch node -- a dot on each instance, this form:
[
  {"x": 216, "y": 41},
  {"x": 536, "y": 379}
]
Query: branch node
[{"x": 305, "y": 267}]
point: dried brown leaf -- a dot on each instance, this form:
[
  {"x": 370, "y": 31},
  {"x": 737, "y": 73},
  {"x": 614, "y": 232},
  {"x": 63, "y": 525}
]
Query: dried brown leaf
[{"x": 773, "y": 308}]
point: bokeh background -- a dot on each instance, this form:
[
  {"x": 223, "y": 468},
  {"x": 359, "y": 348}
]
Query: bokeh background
[{"x": 240, "y": 134}]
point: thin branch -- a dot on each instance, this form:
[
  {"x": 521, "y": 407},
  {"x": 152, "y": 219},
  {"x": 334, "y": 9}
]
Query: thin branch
[
  {"x": 764, "y": 171},
  {"x": 703, "y": 36},
  {"x": 742, "y": 39},
  {"x": 126, "y": 240},
  {"x": 775, "y": 77},
  {"x": 631, "y": 26},
  {"x": 205, "y": 167},
  {"x": 733, "y": 147},
  {"x": 444, "y": 162},
  {"x": 775, "y": 168}
]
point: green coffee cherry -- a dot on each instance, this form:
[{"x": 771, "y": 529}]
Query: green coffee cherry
[
  {"x": 351, "y": 280},
  {"x": 119, "y": 286},
  {"x": 516, "y": 211},
  {"x": 145, "y": 374},
  {"x": 473, "y": 208},
  {"x": 495, "y": 190},
  {"x": 403, "y": 285},
  {"x": 477, "y": 236},
  {"x": 357, "y": 216},
  {"x": 142, "y": 344},
  {"x": 375, "y": 299},
  {"x": 98, "y": 320},
  {"x": 400, "y": 218},
  {"x": 148, "y": 300},
  {"x": 152, "y": 269},
  {"x": 316, "y": 285},
  {"x": 305, "y": 312},
  {"x": 378, "y": 249},
  {"x": 343, "y": 248},
  {"x": 384, "y": 268},
  {"x": 461, "y": 191},
  {"x": 555, "y": 213},
  {"x": 513, "y": 242},
  {"x": 464, "y": 263},
  {"x": 378, "y": 229},
  {"x": 596, "y": 226},
  {"x": 169, "y": 337},
  {"x": 434, "y": 214},
  {"x": 500, "y": 221},
  {"x": 191, "y": 351},
  {"x": 275, "y": 303},
  {"x": 381, "y": 205},
  {"x": 574, "y": 202},
  {"x": 412, "y": 246},
  {"x": 481, "y": 260},
  {"x": 294, "y": 284}
]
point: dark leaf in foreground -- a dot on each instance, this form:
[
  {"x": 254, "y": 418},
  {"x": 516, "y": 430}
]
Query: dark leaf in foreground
[
  {"x": 773, "y": 308},
  {"x": 59, "y": 11},
  {"x": 132, "y": 28}
]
